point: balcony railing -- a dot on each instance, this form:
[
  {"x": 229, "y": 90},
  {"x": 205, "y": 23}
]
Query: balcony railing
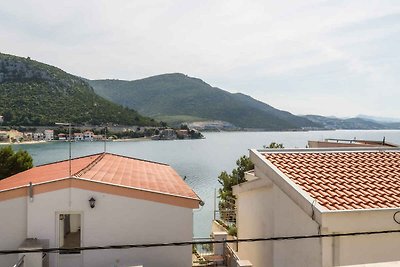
[{"x": 20, "y": 262}]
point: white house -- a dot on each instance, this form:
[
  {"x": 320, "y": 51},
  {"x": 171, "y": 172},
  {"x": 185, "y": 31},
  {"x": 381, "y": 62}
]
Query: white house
[
  {"x": 309, "y": 192},
  {"x": 38, "y": 136},
  {"x": 78, "y": 136},
  {"x": 107, "y": 200},
  {"x": 88, "y": 136},
  {"x": 48, "y": 135}
]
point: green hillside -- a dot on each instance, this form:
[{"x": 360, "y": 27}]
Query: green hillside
[
  {"x": 177, "y": 95},
  {"x": 33, "y": 93}
]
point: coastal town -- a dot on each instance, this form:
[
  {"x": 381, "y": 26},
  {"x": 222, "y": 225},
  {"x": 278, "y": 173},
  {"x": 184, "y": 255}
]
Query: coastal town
[
  {"x": 200, "y": 133},
  {"x": 47, "y": 135}
]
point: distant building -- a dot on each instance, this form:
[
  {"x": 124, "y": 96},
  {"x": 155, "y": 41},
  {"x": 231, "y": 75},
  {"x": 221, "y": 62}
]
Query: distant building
[
  {"x": 88, "y": 136},
  {"x": 38, "y": 136},
  {"x": 109, "y": 200},
  {"x": 330, "y": 142},
  {"x": 302, "y": 192},
  {"x": 62, "y": 136},
  {"x": 182, "y": 134},
  {"x": 167, "y": 134},
  {"x": 48, "y": 135},
  {"x": 78, "y": 137},
  {"x": 98, "y": 137}
]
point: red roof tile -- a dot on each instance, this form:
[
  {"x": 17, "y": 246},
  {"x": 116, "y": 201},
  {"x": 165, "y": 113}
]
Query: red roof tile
[
  {"x": 344, "y": 180},
  {"x": 110, "y": 169}
]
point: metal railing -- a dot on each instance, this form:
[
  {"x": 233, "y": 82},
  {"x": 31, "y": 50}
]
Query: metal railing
[
  {"x": 203, "y": 254},
  {"x": 20, "y": 262}
]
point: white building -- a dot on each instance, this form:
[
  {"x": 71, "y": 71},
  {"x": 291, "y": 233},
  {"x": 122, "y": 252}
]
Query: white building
[
  {"x": 78, "y": 136},
  {"x": 311, "y": 192},
  {"x": 38, "y": 136},
  {"x": 133, "y": 202},
  {"x": 88, "y": 136},
  {"x": 62, "y": 136},
  {"x": 48, "y": 135}
]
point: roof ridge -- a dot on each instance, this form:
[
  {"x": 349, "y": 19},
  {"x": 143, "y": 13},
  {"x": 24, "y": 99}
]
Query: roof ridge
[
  {"x": 145, "y": 160},
  {"x": 63, "y": 160},
  {"x": 90, "y": 165}
]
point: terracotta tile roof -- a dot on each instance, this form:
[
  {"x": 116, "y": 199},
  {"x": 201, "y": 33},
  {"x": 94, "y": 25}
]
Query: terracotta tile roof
[
  {"x": 110, "y": 169},
  {"x": 344, "y": 180}
]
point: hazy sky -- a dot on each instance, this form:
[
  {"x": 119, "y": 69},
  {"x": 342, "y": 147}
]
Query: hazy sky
[{"x": 308, "y": 57}]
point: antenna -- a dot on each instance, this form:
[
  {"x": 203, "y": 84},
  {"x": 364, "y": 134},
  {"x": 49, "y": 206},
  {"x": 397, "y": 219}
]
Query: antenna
[
  {"x": 105, "y": 139},
  {"x": 69, "y": 140}
]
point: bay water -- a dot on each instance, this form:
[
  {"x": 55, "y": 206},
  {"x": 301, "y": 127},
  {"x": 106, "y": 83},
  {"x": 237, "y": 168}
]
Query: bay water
[{"x": 200, "y": 161}]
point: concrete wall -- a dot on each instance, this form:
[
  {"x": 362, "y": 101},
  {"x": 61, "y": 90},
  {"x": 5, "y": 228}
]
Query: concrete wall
[
  {"x": 354, "y": 250},
  {"x": 115, "y": 220},
  {"x": 253, "y": 221},
  {"x": 266, "y": 209},
  {"x": 281, "y": 210},
  {"x": 12, "y": 228},
  {"x": 290, "y": 220}
]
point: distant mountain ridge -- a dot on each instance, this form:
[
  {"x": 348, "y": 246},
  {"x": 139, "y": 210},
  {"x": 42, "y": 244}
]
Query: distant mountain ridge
[
  {"x": 34, "y": 93},
  {"x": 177, "y": 95},
  {"x": 356, "y": 123}
]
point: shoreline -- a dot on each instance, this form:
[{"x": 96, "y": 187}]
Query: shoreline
[
  {"x": 133, "y": 139},
  {"x": 24, "y": 143}
]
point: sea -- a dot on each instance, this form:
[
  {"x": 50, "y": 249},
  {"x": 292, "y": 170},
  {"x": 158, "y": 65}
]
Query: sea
[{"x": 200, "y": 161}]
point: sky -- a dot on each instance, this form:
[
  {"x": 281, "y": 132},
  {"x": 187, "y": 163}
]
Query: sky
[{"x": 334, "y": 58}]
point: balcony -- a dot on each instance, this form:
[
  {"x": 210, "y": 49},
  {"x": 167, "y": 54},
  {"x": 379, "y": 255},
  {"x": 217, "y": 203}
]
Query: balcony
[{"x": 206, "y": 253}]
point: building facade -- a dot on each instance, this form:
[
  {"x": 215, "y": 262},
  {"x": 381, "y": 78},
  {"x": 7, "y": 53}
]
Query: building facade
[
  {"x": 312, "y": 192},
  {"x": 108, "y": 200}
]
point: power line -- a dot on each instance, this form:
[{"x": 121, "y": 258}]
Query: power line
[{"x": 189, "y": 243}]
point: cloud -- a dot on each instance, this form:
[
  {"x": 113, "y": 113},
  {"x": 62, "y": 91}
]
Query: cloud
[{"x": 294, "y": 47}]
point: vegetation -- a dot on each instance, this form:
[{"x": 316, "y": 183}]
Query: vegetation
[
  {"x": 274, "y": 145},
  {"x": 177, "y": 96},
  {"x": 33, "y": 93},
  {"x": 227, "y": 199},
  {"x": 13, "y": 162}
]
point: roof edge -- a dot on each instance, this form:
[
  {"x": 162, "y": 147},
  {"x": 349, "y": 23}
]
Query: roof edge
[
  {"x": 136, "y": 188},
  {"x": 329, "y": 150},
  {"x": 294, "y": 192}
]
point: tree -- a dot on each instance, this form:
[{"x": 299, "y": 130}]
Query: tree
[
  {"x": 13, "y": 162},
  {"x": 274, "y": 145},
  {"x": 227, "y": 199}
]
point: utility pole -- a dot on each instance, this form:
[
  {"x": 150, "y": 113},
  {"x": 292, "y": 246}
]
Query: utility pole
[{"x": 69, "y": 140}]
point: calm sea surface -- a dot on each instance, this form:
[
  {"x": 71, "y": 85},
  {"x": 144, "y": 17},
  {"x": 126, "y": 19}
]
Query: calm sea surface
[{"x": 201, "y": 161}]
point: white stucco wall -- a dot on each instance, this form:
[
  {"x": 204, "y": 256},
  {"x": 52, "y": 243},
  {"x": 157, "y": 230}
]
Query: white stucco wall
[
  {"x": 12, "y": 228},
  {"x": 354, "y": 250},
  {"x": 279, "y": 210},
  {"x": 291, "y": 220},
  {"x": 268, "y": 212},
  {"x": 252, "y": 222},
  {"x": 115, "y": 220}
]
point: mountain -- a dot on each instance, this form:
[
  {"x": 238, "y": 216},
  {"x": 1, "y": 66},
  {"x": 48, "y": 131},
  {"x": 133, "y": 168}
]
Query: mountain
[
  {"x": 33, "y": 93},
  {"x": 350, "y": 123},
  {"x": 379, "y": 119},
  {"x": 177, "y": 97}
]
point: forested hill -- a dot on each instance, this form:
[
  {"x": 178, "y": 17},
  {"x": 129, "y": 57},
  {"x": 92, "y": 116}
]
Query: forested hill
[
  {"x": 173, "y": 96},
  {"x": 33, "y": 93}
]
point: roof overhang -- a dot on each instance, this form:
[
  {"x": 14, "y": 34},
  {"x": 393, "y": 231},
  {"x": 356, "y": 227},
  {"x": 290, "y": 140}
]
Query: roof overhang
[
  {"x": 307, "y": 203},
  {"x": 90, "y": 185}
]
